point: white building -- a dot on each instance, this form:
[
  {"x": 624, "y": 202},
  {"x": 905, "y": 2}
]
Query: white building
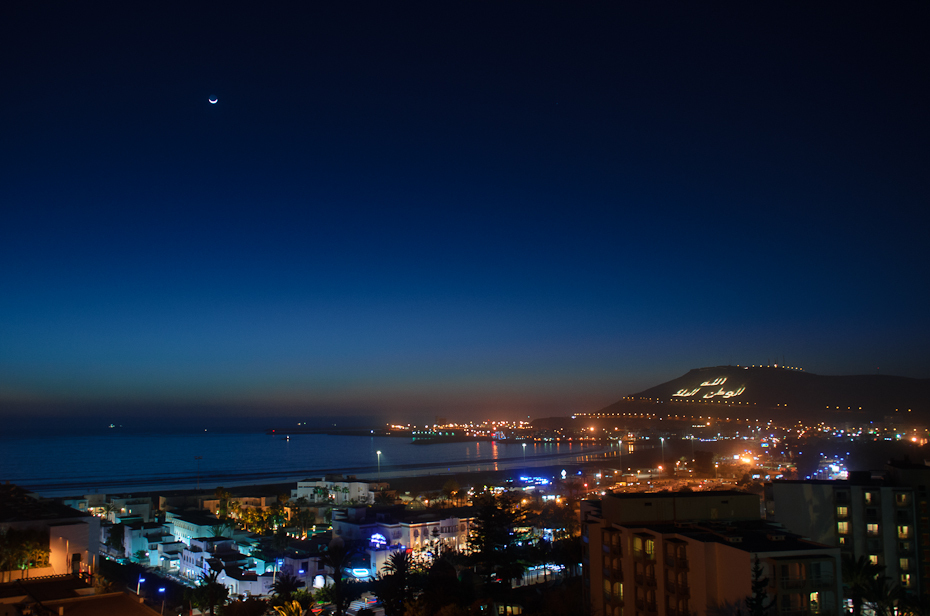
[
  {"x": 334, "y": 490},
  {"x": 210, "y": 553},
  {"x": 186, "y": 526},
  {"x": 386, "y": 529},
  {"x": 73, "y": 536}
]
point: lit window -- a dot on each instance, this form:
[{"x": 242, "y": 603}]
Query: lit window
[
  {"x": 904, "y": 532},
  {"x": 842, "y": 527},
  {"x": 872, "y": 529},
  {"x": 873, "y": 559},
  {"x": 904, "y": 564},
  {"x": 814, "y": 602},
  {"x": 842, "y": 512},
  {"x": 900, "y": 498},
  {"x": 905, "y": 579},
  {"x": 868, "y": 498}
]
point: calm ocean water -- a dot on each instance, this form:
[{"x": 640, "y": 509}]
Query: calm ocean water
[{"x": 117, "y": 461}]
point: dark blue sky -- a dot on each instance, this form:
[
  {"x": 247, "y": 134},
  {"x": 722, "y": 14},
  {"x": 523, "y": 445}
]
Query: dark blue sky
[{"x": 454, "y": 207}]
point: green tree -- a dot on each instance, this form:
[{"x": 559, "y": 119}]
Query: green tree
[
  {"x": 292, "y": 608},
  {"x": 115, "y": 537},
  {"x": 450, "y": 489},
  {"x": 304, "y": 520},
  {"x": 859, "y": 576},
  {"x": 285, "y": 585},
  {"x": 108, "y": 510},
  {"x": 223, "y": 496},
  {"x": 249, "y": 607},
  {"x": 395, "y": 586},
  {"x": 491, "y": 539},
  {"x": 883, "y": 597},
  {"x": 337, "y": 557},
  {"x": 383, "y": 498},
  {"x": 209, "y": 593},
  {"x": 220, "y": 530},
  {"x": 442, "y": 587},
  {"x": 759, "y": 602}
]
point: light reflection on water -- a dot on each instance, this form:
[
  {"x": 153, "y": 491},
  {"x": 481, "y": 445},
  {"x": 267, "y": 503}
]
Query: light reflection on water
[{"x": 117, "y": 461}]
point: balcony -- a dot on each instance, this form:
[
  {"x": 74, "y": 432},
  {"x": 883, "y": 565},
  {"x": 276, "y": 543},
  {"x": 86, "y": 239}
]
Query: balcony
[
  {"x": 676, "y": 563},
  {"x": 787, "y": 583}
]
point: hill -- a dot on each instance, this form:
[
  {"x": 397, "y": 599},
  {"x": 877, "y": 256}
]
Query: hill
[{"x": 784, "y": 393}]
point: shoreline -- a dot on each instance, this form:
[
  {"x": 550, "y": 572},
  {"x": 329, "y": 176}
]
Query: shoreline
[{"x": 370, "y": 473}]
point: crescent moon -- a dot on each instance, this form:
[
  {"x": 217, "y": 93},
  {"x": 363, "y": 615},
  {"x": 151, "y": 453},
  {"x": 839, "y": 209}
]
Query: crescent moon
[{"x": 213, "y": 101}]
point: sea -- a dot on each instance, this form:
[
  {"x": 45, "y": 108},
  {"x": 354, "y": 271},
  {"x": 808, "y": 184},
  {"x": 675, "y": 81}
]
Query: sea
[{"x": 114, "y": 460}]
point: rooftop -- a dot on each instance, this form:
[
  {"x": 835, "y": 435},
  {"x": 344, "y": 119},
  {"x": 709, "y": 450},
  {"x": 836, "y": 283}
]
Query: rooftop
[
  {"x": 753, "y": 536},
  {"x": 45, "y": 589},
  {"x": 19, "y": 505},
  {"x": 655, "y": 495}
]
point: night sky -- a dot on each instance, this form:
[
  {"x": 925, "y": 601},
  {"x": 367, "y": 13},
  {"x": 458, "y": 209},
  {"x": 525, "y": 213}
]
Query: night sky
[{"x": 467, "y": 209}]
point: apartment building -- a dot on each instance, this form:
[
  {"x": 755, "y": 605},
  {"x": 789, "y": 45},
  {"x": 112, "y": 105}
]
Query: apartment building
[
  {"x": 683, "y": 554},
  {"x": 866, "y": 515},
  {"x": 916, "y": 475}
]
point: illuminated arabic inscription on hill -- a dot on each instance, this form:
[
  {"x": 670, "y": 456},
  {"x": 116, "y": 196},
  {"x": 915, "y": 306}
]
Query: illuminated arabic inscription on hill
[{"x": 720, "y": 393}]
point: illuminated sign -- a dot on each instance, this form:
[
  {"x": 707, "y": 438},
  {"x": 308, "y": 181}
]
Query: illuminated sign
[
  {"x": 725, "y": 394},
  {"x": 684, "y": 392},
  {"x": 378, "y": 540}
]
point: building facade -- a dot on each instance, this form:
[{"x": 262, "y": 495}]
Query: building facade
[
  {"x": 382, "y": 530},
  {"x": 691, "y": 562},
  {"x": 865, "y": 515},
  {"x": 335, "y": 491}
]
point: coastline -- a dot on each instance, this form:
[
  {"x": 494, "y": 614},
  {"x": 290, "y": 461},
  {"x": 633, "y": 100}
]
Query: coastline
[{"x": 208, "y": 481}]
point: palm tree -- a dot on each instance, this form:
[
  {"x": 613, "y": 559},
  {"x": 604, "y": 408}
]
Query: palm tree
[
  {"x": 285, "y": 585},
  {"x": 210, "y": 592},
  {"x": 108, "y": 510},
  {"x": 883, "y": 597},
  {"x": 383, "y": 498},
  {"x": 219, "y": 530},
  {"x": 223, "y": 496},
  {"x": 289, "y": 609},
  {"x": 859, "y": 578},
  {"x": 336, "y": 558},
  {"x": 395, "y": 587},
  {"x": 305, "y": 520}
]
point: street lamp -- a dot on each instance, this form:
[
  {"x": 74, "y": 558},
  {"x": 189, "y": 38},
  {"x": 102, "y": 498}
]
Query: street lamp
[
  {"x": 139, "y": 584},
  {"x": 662, "y": 438},
  {"x": 162, "y": 592},
  {"x": 379, "y": 466},
  {"x": 524, "y": 455}
]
